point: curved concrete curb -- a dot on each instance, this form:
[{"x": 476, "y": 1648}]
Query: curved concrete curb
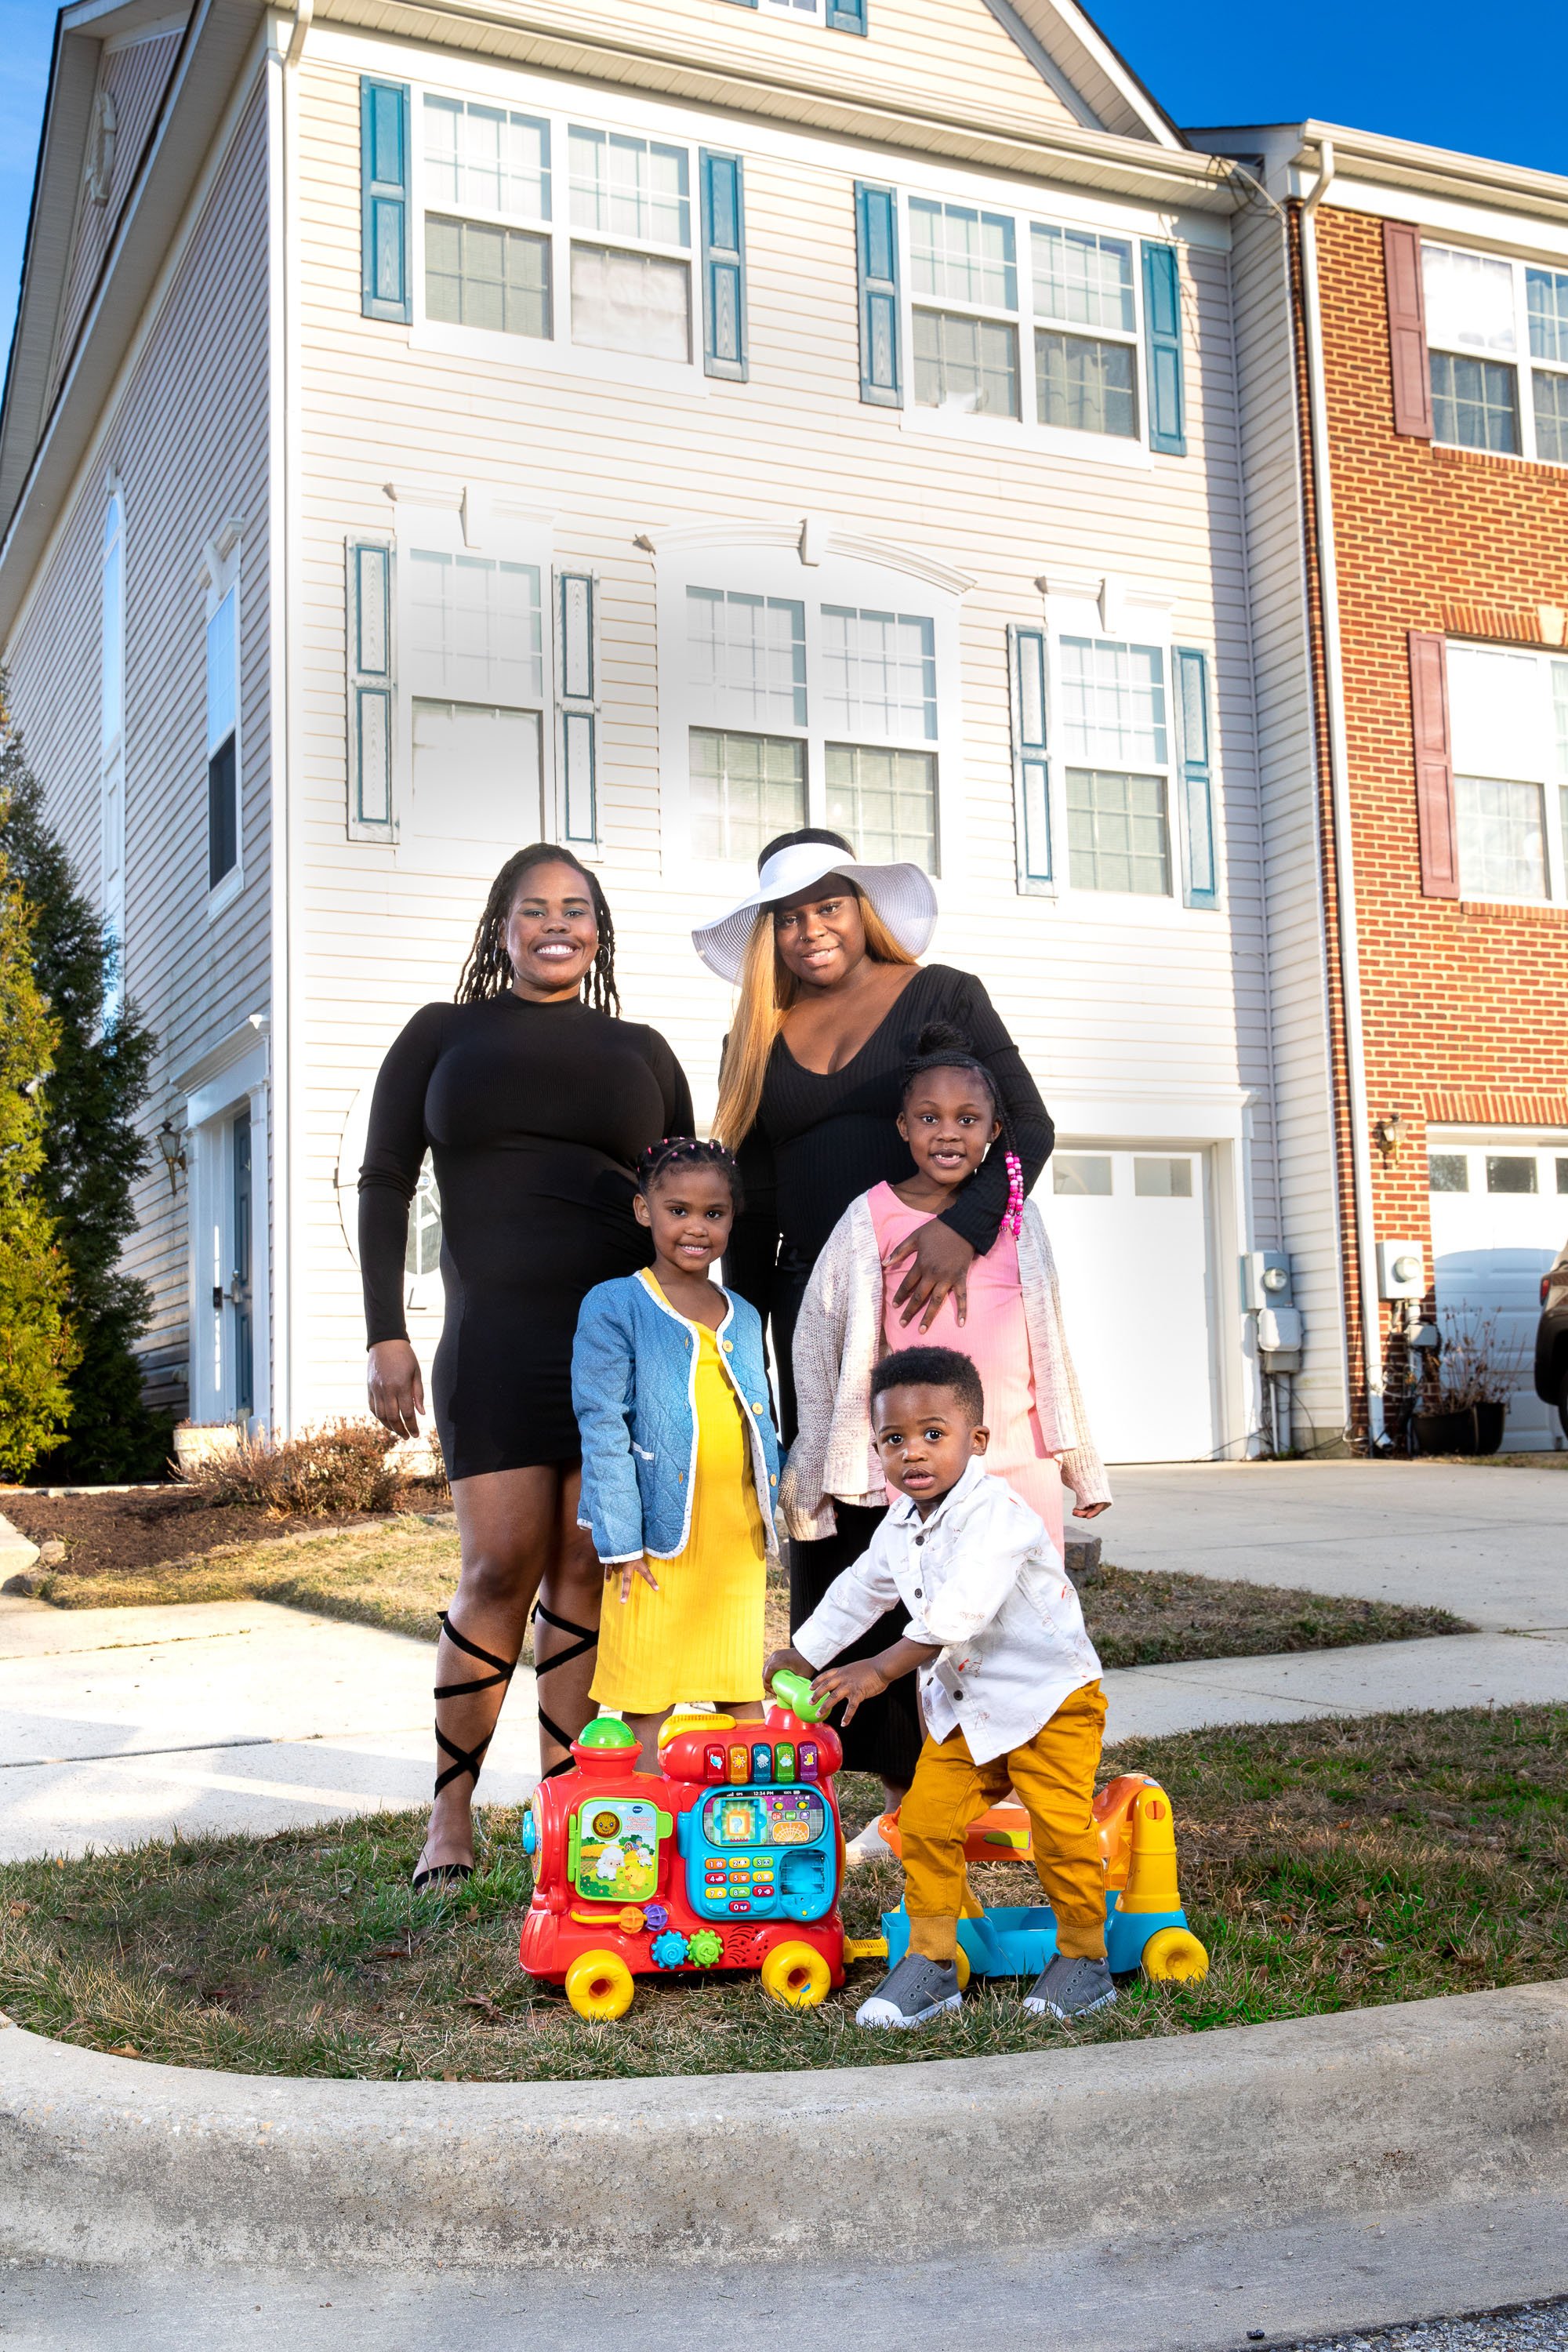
[{"x": 111, "y": 2160}]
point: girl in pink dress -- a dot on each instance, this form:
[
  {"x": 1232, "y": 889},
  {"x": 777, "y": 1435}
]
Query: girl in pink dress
[{"x": 1006, "y": 1317}]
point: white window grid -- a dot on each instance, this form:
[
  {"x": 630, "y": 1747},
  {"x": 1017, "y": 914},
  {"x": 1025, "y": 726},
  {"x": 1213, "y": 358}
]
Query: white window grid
[
  {"x": 566, "y": 181},
  {"x": 1509, "y": 724},
  {"x": 861, "y": 676},
  {"x": 1493, "y": 308},
  {"x": 1014, "y": 271},
  {"x": 112, "y": 738},
  {"x": 491, "y": 637},
  {"x": 1109, "y": 711}
]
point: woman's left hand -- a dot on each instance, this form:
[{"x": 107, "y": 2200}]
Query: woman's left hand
[
  {"x": 940, "y": 1264},
  {"x": 1089, "y": 1510}
]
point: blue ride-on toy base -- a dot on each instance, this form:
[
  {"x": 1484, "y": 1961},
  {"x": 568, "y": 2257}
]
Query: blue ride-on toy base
[{"x": 1019, "y": 1939}]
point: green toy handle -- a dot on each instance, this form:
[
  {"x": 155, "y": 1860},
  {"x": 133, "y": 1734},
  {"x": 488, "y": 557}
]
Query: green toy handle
[{"x": 793, "y": 1691}]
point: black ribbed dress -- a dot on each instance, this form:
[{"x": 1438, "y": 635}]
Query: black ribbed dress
[
  {"x": 818, "y": 1142},
  {"x": 534, "y": 1115}
]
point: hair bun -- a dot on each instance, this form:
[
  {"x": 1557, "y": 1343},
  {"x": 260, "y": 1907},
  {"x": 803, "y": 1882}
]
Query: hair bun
[{"x": 942, "y": 1037}]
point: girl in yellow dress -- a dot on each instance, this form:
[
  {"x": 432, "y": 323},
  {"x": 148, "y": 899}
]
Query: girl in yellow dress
[{"x": 680, "y": 1459}]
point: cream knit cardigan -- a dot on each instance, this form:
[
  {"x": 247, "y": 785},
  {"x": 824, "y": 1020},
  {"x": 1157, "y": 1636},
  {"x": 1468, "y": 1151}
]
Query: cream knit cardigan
[{"x": 838, "y": 1339}]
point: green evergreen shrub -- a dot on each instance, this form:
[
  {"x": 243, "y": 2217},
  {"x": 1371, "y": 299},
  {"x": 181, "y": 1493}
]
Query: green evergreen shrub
[
  {"x": 37, "y": 1351},
  {"x": 94, "y": 1152}
]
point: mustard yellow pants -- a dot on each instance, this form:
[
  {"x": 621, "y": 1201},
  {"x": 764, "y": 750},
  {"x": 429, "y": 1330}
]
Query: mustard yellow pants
[{"x": 1054, "y": 1774}]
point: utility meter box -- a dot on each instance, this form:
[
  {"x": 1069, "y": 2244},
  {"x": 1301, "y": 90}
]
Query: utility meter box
[
  {"x": 1265, "y": 1280},
  {"x": 1401, "y": 1270}
]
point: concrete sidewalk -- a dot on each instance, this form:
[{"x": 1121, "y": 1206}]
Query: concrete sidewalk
[
  {"x": 121, "y": 1725},
  {"x": 1490, "y": 1544}
]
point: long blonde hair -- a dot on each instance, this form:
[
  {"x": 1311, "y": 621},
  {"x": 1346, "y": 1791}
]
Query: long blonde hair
[{"x": 768, "y": 990}]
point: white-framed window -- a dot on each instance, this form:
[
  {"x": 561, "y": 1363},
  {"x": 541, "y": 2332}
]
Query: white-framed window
[
  {"x": 474, "y": 689},
  {"x": 1115, "y": 788},
  {"x": 794, "y": 693},
  {"x": 1023, "y": 319},
  {"x": 112, "y": 741},
  {"x": 1497, "y": 336},
  {"x": 550, "y": 234},
  {"x": 1508, "y": 718},
  {"x": 1116, "y": 756},
  {"x": 223, "y": 763}
]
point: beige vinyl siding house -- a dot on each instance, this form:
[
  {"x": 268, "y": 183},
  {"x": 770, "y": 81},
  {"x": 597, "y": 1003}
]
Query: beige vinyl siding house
[{"x": 904, "y": 495}]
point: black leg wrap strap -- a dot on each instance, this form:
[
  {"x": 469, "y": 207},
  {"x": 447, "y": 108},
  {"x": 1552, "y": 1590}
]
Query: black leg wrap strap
[
  {"x": 589, "y": 1640},
  {"x": 562, "y": 1738},
  {"x": 503, "y": 1673},
  {"x": 465, "y": 1760}
]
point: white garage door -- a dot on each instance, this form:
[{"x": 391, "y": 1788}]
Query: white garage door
[
  {"x": 1130, "y": 1230},
  {"x": 1500, "y": 1215}
]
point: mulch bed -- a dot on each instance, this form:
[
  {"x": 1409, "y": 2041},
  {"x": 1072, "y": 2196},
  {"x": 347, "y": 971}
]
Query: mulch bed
[{"x": 109, "y": 1534}]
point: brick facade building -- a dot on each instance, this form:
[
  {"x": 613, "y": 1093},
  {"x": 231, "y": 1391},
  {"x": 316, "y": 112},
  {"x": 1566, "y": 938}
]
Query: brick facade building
[{"x": 1429, "y": 296}]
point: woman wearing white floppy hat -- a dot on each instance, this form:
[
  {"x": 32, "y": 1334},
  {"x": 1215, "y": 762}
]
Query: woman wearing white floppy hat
[{"x": 831, "y": 1000}]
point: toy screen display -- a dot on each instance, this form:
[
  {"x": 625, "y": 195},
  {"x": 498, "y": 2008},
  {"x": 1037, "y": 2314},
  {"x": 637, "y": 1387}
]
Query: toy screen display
[
  {"x": 618, "y": 1849},
  {"x": 754, "y": 1817}
]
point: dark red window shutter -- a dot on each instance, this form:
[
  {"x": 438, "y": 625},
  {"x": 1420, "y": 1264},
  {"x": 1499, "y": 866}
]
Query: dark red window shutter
[
  {"x": 1434, "y": 765},
  {"x": 1407, "y": 329}
]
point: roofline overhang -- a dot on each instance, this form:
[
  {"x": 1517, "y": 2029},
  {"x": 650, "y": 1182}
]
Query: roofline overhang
[
  {"x": 39, "y": 465},
  {"x": 1294, "y": 151},
  {"x": 40, "y": 453}
]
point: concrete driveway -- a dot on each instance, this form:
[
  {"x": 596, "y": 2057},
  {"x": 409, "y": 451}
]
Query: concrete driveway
[{"x": 1489, "y": 1543}]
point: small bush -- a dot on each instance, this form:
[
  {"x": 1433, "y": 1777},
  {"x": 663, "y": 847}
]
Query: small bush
[{"x": 323, "y": 1473}]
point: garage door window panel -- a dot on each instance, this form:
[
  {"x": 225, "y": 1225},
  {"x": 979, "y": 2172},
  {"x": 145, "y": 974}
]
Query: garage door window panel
[
  {"x": 1511, "y": 1172},
  {"x": 1449, "y": 1171}
]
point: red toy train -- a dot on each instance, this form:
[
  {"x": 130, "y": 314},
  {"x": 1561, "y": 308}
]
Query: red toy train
[{"x": 729, "y": 1856}]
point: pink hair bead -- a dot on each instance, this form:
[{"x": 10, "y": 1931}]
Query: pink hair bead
[{"x": 1013, "y": 1216}]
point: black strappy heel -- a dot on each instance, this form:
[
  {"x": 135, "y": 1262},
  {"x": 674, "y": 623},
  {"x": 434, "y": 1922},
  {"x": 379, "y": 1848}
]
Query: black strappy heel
[
  {"x": 588, "y": 1639},
  {"x": 464, "y": 1759}
]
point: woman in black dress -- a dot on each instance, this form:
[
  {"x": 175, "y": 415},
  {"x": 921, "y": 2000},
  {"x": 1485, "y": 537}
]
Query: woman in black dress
[
  {"x": 535, "y": 1102},
  {"x": 832, "y": 1002}
]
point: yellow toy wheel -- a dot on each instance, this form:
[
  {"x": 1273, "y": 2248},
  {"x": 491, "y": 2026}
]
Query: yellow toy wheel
[
  {"x": 795, "y": 1975},
  {"x": 599, "y": 1985},
  {"x": 1174, "y": 1955},
  {"x": 961, "y": 1961}
]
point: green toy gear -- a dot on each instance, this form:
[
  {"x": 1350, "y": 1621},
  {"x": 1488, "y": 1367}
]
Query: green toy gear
[{"x": 705, "y": 1948}]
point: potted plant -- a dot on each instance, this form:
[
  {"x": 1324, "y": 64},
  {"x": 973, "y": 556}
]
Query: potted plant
[{"x": 1476, "y": 1372}]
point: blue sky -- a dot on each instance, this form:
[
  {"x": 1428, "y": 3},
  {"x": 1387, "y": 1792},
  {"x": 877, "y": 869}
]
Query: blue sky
[{"x": 1352, "y": 61}]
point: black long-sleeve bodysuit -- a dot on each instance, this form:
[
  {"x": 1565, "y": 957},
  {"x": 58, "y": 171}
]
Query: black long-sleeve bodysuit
[{"x": 535, "y": 1116}]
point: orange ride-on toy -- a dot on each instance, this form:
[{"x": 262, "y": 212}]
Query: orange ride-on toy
[
  {"x": 729, "y": 1856},
  {"x": 1144, "y": 1925}
]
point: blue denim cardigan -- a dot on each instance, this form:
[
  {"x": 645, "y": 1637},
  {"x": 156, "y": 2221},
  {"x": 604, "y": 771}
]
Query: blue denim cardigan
[{"x": 634, "y": 1371}]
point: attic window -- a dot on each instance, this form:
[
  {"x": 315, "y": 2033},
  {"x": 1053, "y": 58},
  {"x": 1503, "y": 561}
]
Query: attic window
[{"x": 100, "y": 149}]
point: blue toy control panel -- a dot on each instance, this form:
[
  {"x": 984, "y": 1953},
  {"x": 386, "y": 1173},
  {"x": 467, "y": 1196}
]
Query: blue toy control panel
[{"x": 760, "y": 1853}]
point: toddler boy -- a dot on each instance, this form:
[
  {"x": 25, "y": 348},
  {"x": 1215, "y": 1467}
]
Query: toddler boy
[{"x": 1009, "y": 1685}]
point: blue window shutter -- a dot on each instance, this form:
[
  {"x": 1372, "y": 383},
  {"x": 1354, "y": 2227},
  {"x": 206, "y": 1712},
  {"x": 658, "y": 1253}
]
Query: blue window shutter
[
  {"x": 877, "y": 245},
  {"x": 847, "y": 15},
  {"x": 1031, "y": 768},
  {"x": 1163, "y": 332},
  {"x": 723, "y": 267},
  {"x": 1200, "y": 865},
  {"x": 384, "y": 200}
]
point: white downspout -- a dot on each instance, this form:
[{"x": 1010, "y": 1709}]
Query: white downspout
[{"x": 1339, "y": 790}]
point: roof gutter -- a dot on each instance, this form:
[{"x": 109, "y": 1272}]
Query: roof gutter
[{"x": 1338, "y": 791}]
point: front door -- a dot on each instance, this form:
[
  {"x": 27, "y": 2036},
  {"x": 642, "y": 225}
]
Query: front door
[{"x": 243, "y": 1354}]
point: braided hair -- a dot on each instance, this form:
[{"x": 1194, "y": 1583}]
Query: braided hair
[
  {"x": 488, "y": 971},
  {"x": 940, "y": 1047},
  {"x": 688, "y": 1151}
]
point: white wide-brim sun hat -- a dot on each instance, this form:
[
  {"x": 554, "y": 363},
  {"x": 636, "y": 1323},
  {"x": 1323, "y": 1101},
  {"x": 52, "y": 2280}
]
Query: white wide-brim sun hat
[{"x": 901, "y": 895}]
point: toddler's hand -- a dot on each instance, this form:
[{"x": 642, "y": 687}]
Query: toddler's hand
[
  {"x": 784, "y": 1662},
  {"x": 853, "y": 1684},
  {"x": 625, "y": 1570}
]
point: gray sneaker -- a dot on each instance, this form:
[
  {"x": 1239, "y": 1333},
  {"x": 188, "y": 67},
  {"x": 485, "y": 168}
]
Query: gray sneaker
[
  {"x": 912, "y": 1993},
  {"x": 1070, "y": 1988}
]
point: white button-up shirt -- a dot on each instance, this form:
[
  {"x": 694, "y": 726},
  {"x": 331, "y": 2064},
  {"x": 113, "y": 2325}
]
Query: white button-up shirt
[{"x": 980, "y": 1578}]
